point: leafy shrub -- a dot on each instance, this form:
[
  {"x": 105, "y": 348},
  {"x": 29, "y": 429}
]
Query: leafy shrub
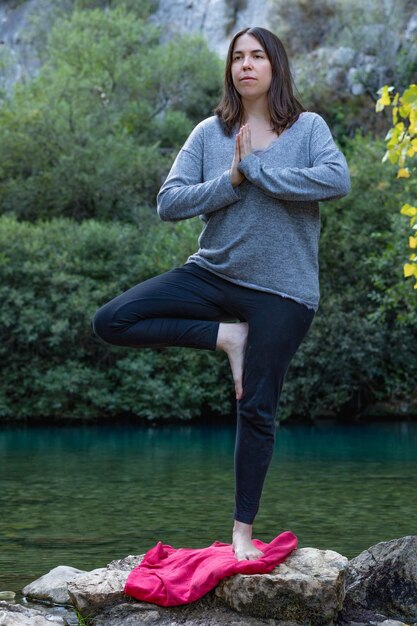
[
  {"x": 54, "y": 275},
  {"x": 354, "y": 358},
  {"x": 92, "y": 135},
  {"x": 359, "y": 356}
]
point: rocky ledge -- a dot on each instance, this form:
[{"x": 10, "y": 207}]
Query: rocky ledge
[{"x": 311, "y": 588}]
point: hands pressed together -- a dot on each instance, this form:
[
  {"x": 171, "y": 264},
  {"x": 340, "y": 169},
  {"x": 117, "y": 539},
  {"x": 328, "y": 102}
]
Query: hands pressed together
[{"x": 243, "y": 148}]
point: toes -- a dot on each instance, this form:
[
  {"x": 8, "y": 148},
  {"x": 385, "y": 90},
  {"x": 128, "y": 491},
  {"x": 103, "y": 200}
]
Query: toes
[{"x": 247, "y": 555}]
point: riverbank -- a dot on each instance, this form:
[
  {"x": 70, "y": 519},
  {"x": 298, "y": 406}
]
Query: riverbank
[
  {"x": 84, "y": 495},
  {"x": 310, "y": 588},
  {"x": 374, "y": 415}
]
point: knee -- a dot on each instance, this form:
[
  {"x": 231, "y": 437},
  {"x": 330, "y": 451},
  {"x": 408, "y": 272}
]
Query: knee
[
  {"x": 259, "y": 417},
  {"x": 101, "y": 325}
]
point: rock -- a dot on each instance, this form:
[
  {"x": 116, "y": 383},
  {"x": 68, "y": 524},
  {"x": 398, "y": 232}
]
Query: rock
[
  {"x": 342, "y": 57},
  {"x": 336, "y": 78},
  {"x": 126, "y": 564},
  {"x": 52, "y": 587},
  {"x": 355, "y": 616},
  {"x": 353, "y": 80},
  {"x": 7, "y": 595},
  {"x": 18, "y": 615},
  {"x": 307, "y": 587},
  {"x": 96, "y": 589},
  {"x": 216, "y": 20},
  {"x": 411, "y": 30},
  {"x": 384, "y": 578},
  {"x": 205, "y": 612},
  {"x": 93, "y": 590}
]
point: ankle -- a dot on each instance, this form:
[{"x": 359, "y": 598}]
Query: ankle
[
  {"x": 230, "y": 335},
  {"x": 240, "y": 528}
]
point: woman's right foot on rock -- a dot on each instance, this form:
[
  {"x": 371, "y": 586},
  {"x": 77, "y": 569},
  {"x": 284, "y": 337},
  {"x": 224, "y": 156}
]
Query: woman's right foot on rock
[{"x": 232, "y": 339}]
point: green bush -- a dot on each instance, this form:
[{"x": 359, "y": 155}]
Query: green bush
[
  {"x": 54, "y": 275},
  {"x": 355, "y": 357},
  {"x": 93, "y": 134},
  {"x": 358, "y": 358}
]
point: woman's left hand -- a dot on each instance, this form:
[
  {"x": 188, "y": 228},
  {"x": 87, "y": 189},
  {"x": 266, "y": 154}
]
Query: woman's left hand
[{"x": 245, "y": 141}]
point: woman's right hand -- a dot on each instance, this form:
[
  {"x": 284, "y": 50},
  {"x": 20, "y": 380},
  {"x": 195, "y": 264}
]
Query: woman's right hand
[{"x": 236, "y": 177}]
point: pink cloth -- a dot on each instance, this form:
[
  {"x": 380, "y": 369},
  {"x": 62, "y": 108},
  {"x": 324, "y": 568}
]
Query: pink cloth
[{"x": 168, "y": 576}]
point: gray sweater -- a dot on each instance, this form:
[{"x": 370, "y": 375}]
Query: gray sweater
[{"x": 264, "y": 233}]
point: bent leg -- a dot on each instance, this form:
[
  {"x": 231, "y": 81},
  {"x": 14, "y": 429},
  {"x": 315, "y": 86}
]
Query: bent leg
[
  {"x": 276, "y": 328},
  {"x": 178, "y": 308}
]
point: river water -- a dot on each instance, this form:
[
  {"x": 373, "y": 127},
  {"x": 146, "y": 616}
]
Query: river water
[{"x": 83, "y": 496}]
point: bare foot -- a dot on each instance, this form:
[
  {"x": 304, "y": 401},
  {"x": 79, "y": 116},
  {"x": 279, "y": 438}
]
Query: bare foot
[
  {"x": 242, "y": 542},
  {"x": 232, "y": 339}
]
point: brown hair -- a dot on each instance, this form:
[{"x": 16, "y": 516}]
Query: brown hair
[{"x": 284, "y": 108}]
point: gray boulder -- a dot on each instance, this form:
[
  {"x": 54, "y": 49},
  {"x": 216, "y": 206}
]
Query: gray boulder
[
  {"x": 9, "y": 596},
  {"x": 384, "y": 579},
  {"x": 205, "y": 612},
  {"x": 52, "y": 587},
  {"x": 411, "y": 30},
  {"x": 93, "y": 590},
  {"x": 18, "y": 615},
  {"x": 307, "y": 588},
  {"x": 99, "y": 596},
  {"x": 101, "y": 587}
]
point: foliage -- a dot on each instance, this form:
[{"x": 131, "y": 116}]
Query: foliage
[
  {"x": 43, "y": 14},
  {"x": 54, "y": 275},
  {"x": 401, "y": 146},
  {"x": 341, "y": 52},
  {"x": 359, "y": 355},
  {"x": 92, "y": 135}
]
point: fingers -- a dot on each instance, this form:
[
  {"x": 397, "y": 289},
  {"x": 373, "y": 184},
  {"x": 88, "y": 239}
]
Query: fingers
[
  {"x": 245, "y": 141},
  {"x": 237, "y": 149},
  {"x": 235, "y": 176}
]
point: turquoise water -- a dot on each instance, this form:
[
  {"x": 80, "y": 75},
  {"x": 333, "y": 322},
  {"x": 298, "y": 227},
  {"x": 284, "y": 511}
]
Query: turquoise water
[{"x": 83, "y": 496}]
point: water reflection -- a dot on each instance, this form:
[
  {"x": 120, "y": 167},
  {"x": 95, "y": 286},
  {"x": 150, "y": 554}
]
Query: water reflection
[{"x": 84, "y": 496}]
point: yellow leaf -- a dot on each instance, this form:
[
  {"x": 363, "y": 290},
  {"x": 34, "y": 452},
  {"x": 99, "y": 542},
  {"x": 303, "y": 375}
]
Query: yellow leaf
[
  {"x": 403, "y": 173},
  {"x": 408, "y": 210},
  {"x": 408, "y": 270},
  {"x": 412, "y": 242},
  {"x": 404, "y": 111},
  {"x": 379, "y": 106},
  {"x": 384, "y": 100}
]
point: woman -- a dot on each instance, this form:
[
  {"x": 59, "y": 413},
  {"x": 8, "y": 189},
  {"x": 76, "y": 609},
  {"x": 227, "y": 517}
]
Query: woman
[{"x": 254, "y": 173}]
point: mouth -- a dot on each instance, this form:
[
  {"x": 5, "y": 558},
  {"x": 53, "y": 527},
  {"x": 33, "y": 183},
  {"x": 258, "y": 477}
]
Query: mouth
[{"x": 245, "y": 79}]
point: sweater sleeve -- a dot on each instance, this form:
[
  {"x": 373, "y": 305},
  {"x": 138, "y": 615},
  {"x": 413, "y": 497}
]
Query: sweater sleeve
[
  {"x": 327, "y": 179},
  {"x": 184, "y": 194}
]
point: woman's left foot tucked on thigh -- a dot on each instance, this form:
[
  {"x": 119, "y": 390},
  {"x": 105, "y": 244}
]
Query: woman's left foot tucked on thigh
[
  {"x": 242, "y": 542},
  {"x": 232, "y": 339}
]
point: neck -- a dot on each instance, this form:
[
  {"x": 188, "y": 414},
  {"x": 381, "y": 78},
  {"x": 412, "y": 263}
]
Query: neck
[{"x": 256, "y": 110}]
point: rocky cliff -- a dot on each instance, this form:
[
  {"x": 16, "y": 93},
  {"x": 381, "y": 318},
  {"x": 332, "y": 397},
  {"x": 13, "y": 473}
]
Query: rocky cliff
[
  {"x": 336, "y": 49},
  {"x": 216, "y": 20}
]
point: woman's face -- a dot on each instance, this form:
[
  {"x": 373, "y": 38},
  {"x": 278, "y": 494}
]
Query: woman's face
[{"x": 251, "y": 68}]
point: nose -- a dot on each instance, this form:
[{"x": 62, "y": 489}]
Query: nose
[{"x": 246, "y": 62}]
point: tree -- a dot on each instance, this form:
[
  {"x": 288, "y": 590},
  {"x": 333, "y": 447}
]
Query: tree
[
  {"x": 401, "y": 147},
  {"x": 93, "y": 134}
]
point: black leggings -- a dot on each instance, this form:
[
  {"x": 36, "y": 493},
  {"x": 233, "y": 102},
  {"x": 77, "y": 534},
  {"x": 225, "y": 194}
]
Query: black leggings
[{"x": 183, "y": 307}]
